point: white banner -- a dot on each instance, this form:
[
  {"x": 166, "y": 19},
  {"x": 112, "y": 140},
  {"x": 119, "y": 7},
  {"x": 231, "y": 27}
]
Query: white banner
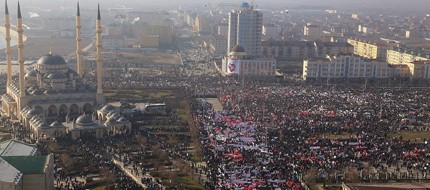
[{"x": 233, "y": 66}]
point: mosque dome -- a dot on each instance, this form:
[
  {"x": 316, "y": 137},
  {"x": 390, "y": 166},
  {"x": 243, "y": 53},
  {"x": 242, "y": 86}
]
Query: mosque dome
[
  {"x": 25, "y": 110},
  {"x": 55, "y": 75},
  {"x": 31, "y": 74},
  {"x": 111, "y": 120},
  {"x": 36, "y": 91},
  {"x": 71, "y": 71},
  {"x": 115, "y": 116},
  {"x": 84, "y": 120},
  {"x": 107, "y": 108},
  {"x": 34, "y": 119},
  {"x": 237, "y": 48},
  {"x": 38, "y": 121},
  {"x": 56, "y": 124},
  {"x": 51, "y": 59},
  {"x": 32, "y": 112},
  {"x": 42, "y": 125},
  {"x": 49, "y": 91},
  {"x": 122, "y": 120}
]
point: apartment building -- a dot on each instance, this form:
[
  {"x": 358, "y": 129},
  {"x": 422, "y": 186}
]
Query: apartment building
[
  {"x": 369, "y": 49},
  {"x": 405, "y": 56},
  {"x": 345, "y": 66}
]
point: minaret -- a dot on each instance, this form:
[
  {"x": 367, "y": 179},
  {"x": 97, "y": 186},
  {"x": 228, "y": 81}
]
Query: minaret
[
  {"x": 8, "y": 51},
  {"x": 20, "y": 54},
  {"x": 79, "y": 68},
  {"x": 99, "y": 57}
]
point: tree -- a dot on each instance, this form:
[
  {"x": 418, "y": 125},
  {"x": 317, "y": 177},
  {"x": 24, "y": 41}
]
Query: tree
[
  {"x": 311, "y": 177},
  {"x": 66, "y": 160}
]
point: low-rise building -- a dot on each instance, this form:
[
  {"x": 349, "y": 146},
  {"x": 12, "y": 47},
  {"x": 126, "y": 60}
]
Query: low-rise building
[
  {"x": 151, "y": 28},
  {"x": 202, "y": 25},
  {"x": 304, "y": 49},
  {"x": 333, "y": 48},
  {"x": 419, "y": 69},
  {"x": 218, "y": 45},
  {"x": 270, "y": 31},
  {"x": 22, "y": 170},
  {"x": 348, "y": 67},
  {"x": 113, "y": 42},
  {"x": 417, "y": 33},
  {"x": 405, "y": 56},
  {"x": 239, "y": 63},
  {"x": 223, "y": 29},
  {"x": 385, "y": 186},
  {"x": 103, "y": 122},
  {"x": 312, "y": 32},
  {"x": 287, "y": 49},
  {"x": 370, "y": 49},
  {"x": 399, "y": 70}
]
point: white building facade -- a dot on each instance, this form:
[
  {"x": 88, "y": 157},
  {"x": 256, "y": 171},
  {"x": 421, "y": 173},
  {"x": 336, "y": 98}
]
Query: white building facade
[
  {"x": 348, "y": 67},
  {"x": 239, "y": 63}
]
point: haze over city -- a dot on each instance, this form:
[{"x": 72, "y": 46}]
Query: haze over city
[{"x": 395, "y": 5}]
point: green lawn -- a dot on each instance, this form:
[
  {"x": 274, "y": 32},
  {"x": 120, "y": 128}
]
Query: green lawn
[
  {"x": 196, "y": 158},
  {"x": 333, "y": 136},
  {"x": 420, "y": 136},
  {"x": 189, "y": 183}
]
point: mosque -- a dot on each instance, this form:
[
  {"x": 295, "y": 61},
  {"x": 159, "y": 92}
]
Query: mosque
[{"x": 51, "y": 99}]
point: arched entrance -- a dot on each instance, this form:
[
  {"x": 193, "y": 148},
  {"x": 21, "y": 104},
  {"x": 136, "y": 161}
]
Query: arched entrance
[
  {"x": 39, "y": 109},
  {"x": 88, "y": 108},
  {"x": 63, "y": 112},
  {"x": 52, "y": 111},
  {"x": 74, "y": 109},
  {"x": 101, "y": 118}
]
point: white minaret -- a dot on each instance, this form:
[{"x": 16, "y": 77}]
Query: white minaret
[
  {"x": 20, "y": 54},
  {"x": 22, "y": 99},
  {"x": 99, "y": 57},
  {"x": 7, "y": 39},
  {"x": 79, "y": 68}
]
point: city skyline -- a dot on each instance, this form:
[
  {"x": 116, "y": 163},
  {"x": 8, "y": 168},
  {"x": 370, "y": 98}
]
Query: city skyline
[{"x": 400, "y": 5}]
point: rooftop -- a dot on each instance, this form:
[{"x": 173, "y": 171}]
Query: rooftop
[
  {"x": 398, "y": 65},
  {"x": 15, "y": 148},
  {"x": 394, "y": 186},
  {"x": 8, "y": 172},
  {"x": 416, "y": 52},
  {"x": 420, "y": 62},
  {"x": 374, "y": 42},
  {"x": 27, "y": 164}
]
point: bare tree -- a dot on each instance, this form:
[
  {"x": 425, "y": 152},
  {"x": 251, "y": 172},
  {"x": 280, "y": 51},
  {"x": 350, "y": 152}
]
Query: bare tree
[{"x": 66, "y": 160}]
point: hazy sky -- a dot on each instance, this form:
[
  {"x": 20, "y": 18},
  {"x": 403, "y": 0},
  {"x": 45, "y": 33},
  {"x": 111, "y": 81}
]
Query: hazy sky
[{"x": 400, "y": 5}]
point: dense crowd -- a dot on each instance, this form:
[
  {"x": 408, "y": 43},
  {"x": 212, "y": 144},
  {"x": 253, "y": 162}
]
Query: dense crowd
[
  {"x": 94, "y": 152},
  {"x": 270, "y": 135}
]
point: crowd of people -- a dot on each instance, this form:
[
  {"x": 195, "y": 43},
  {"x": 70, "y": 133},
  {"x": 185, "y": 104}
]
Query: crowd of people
[
  {"x": 94, "y": 153},
  {"x": 270, "y": 135}
]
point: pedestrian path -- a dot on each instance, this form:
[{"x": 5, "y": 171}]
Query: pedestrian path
[{"x": 136, "y": 175}]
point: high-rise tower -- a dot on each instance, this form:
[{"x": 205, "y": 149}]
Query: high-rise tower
[{"x": 245, "y": 29}]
